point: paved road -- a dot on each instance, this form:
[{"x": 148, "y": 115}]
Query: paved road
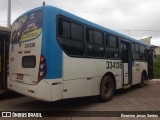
[{"x": 134, "y": 99}]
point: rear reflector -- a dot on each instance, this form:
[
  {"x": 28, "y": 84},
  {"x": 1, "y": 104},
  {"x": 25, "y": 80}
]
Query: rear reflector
[{"x": 19, "y": 76}]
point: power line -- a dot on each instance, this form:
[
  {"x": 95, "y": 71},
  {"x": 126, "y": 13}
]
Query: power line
[
  {"x": 140, "y": 30},
  {"x": 79, "y": 8}
]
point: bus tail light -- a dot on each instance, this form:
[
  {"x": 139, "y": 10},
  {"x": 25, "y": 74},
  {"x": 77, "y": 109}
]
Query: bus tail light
[{"x": 42, "y": 68}]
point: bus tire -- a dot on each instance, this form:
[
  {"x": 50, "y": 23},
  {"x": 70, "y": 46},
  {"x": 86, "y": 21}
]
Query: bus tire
[
  {"x": 106, "y": 88},
  {"x": 143, "y": 80}
]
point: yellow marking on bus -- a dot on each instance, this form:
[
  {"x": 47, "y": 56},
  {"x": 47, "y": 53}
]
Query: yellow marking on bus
[
  {"x": 31, "y": 35},
  {"x": 23, "y": 19}
]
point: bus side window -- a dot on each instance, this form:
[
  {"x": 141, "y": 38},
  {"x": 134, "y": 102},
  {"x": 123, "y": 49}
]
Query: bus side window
[
  {"x": 111, "y": 47},
  {"x": 135, "y": 51},
  {"x": 66, "y": 29},
  {"x": 76, "y": 32},
  {"x": 98, "y": 38},
  {"x": 124, "y": 53},
  {"x": 112, "y": 41},
  {"x": 70, "y": 37},
  {"x": 63, "y": 28},
  {"x": 95, "y": 47},
  {"x": 90, "y": 36},
  {"x": 143, "y": 54}
]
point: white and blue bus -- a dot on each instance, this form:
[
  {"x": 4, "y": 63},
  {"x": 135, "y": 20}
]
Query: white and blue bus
[{"x": 56, "y": 55}]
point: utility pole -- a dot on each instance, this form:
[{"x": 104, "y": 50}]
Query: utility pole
[{"x": 9, "y": 14}]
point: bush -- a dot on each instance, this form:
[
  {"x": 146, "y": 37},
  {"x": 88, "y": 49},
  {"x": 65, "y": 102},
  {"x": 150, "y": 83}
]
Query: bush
[{"x": 156, "y": 67}]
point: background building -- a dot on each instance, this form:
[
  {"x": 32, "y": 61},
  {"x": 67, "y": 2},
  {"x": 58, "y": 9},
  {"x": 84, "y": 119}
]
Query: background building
[
  {"x": 148, "y": 41},
  {"x": 156, "y": 63}
]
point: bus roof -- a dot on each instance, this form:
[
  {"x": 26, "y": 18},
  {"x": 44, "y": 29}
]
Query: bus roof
[{"x": 79, "y": 19}]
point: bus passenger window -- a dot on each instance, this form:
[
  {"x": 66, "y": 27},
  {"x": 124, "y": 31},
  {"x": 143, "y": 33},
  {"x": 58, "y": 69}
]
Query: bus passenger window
[
  {"x": 66, "y": 29},
  {"x": 95, "y": 47},
  {"x": 143, "y": 55},
  {"x": 63, "y": 28},
  {"x": 124, "y": 53},
  {"x": 70, "y": 37},
  {"x": 90, "y": 36},
  {"x": 111, "y": 41},
  {"x": 111, "y": 51},
  {"x": 76, "y": 32},
  {"x": 98, "y": 37},
  {"x": 136, "y": 47},
  {"x": 135, "y": 51}
]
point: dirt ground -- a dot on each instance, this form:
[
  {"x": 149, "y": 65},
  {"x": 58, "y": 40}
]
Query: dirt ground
[{"x": 133, "y": 99}]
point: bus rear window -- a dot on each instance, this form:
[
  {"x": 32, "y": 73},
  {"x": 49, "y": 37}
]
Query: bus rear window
[{"x": 29, "y": 61}]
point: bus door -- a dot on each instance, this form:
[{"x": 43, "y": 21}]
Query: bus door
[
  {"x": 4, "y": 49},
  {"x": 150, "y": 63},
  {"x": 126, "y": 60},
  {"x": 1, "y": 61}
]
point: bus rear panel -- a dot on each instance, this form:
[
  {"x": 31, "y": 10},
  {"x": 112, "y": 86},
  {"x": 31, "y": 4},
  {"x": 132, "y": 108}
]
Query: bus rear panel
[{"x": 27, "y": 64}]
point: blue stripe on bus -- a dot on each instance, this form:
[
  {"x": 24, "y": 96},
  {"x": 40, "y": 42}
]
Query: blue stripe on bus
[{"x": 50, "y": 47}]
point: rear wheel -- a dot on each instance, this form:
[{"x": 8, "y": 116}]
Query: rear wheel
[
  {"x": 143, "y": 80},
  {"x": 106, "y": 89}
]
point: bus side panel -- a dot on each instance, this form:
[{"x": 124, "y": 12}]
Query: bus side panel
[
  {"x": 136, "y": 72},
  {"x": 82, "y": 76},
  {"x": 144, "y": 66},
  {"x": 137, "y": 69},
  {"x": 78, "y": 88},
  {"x": 56, "y": 88},
  {"x": 78, "y": 76},
  {"x": 108, "y": 66}
]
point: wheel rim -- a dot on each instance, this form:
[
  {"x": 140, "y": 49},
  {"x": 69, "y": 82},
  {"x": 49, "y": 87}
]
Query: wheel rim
[{"x": 106, "y": 88}]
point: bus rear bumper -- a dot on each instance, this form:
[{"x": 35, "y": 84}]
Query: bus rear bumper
[{"x": 40, "y": 91}]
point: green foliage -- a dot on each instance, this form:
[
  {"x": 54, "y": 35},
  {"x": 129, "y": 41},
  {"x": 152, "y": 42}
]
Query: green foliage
[{"x": 156, "y": 67}]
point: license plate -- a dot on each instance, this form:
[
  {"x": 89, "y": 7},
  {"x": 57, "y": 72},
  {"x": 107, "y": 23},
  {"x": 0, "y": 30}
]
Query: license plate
[{"x": 20, "y": 76}]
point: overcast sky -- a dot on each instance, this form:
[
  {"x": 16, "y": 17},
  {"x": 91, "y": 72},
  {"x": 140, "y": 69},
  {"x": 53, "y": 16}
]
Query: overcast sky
[{"x": 136, "y": 18}]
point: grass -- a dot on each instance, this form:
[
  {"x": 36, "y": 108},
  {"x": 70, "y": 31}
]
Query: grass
[{"x": 156, "y": 67}]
